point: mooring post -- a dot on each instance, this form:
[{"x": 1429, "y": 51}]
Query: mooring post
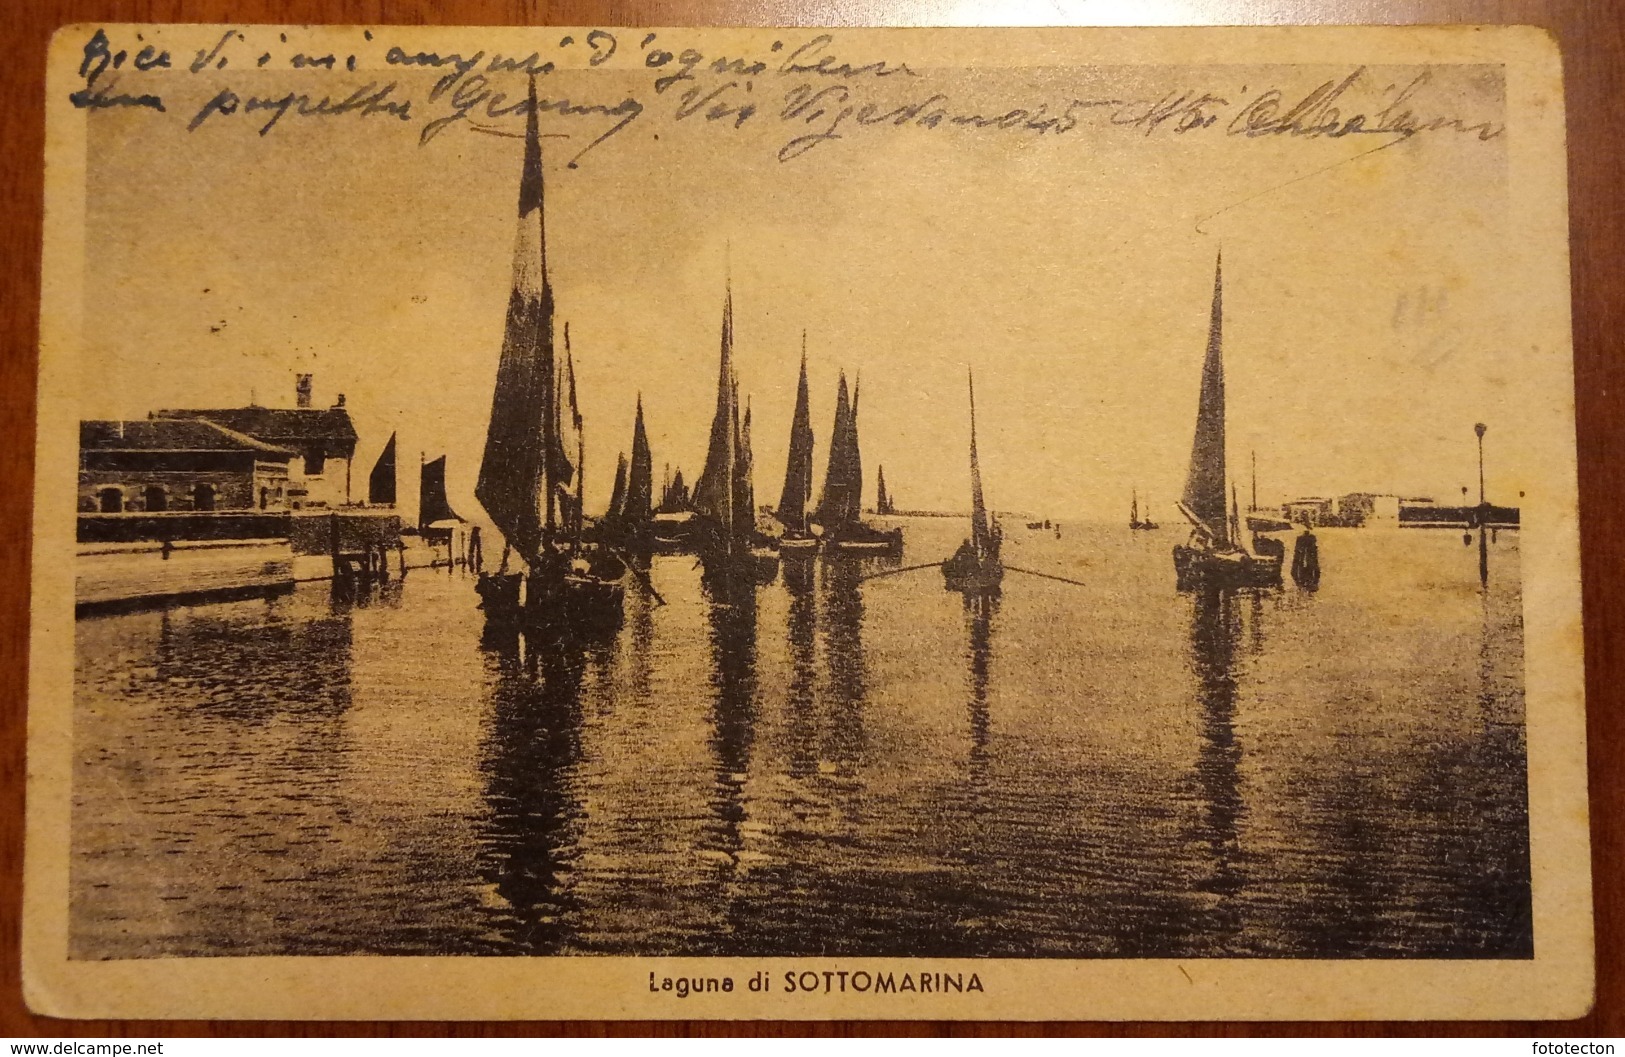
[{"x": 333, "y": 540}]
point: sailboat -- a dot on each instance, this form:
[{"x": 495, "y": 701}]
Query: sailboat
[
  {"x": 1258, "y": 523},
  {"x": 629, "y": 521},
  {"x": 637, "y": 515},
  {"x": 884, "y": 502},
  {"x": 381, "y": 482},
  {"x": 733, "y": 552},
  {"x": 798, "y": 538},
  {"x": 617, "y": 495},
  {"x": 1215, "y": 554},
  {"x": 525, "y": 473},
  {"x": 976, "y": 568},
  {"x": 674, "y": 519},
  {"x": 437, "y": 521},
  {"x": 839, "y": 507},
  {"x": 1134, "y": 521}
]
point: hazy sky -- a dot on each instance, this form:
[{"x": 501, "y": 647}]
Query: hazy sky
[{"x": 1367, "y": 326}]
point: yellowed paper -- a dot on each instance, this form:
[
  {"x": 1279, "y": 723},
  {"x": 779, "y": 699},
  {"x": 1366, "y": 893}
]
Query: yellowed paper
[{"x": 1052, "y": 524}]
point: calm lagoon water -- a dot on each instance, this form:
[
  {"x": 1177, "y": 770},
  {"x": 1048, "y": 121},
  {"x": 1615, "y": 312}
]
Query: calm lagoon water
[{"x": 853, "y": 767}]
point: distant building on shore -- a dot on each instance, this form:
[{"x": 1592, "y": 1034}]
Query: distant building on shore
[
  {"x": 177, "y": 465},
  {"x": 1425, "y": 513},
  {"x": 1310, "y": 510},
  {"x": 1362, "y": 508},
  {"x": 1376, "y": 509},
  {"x": 321, "y": 442}
]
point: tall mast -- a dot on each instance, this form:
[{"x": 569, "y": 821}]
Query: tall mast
[
  {"x": 978, "y": 516},
  {"x": 581, "y": 444}
]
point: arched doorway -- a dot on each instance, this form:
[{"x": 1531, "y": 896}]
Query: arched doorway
[
  {"x": 157, "y": 497},
  {"x": 203, "y": 497},
  {"x": 111, "y": 500}
]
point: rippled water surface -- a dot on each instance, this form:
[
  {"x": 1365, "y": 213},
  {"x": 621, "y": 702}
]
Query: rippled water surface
[{"x": 1116, "y": 770}]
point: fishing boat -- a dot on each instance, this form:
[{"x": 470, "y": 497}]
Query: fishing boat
[
  {"x": 839, "y": 507},
  {"x": 526, "y": 473},
  {"x": 1135, "y": 523},
  {"x": 674, "y": 519},
  {"x": 736, "y": 557},
  {"x": 1257, "y": 522},
  {"x": 975, "y": 567},
  {"x": 437, "y": 521},
  {"x": 885, "y": 502},
  {"x": 617, "y": 495},
  {"x": 628, "y": 524},
  {"x": 381, "y": 482},
  {"x": 798, "y": 539},
  {"x": 436, "y": 518},
  {"x": 1216, "y": 553}
]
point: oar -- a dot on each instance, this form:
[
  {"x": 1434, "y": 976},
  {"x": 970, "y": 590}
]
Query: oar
[
  {"x": 896, "y": 572},
  {"x": 1047, "y": 576},
  {"x": 643, "y": 577}
]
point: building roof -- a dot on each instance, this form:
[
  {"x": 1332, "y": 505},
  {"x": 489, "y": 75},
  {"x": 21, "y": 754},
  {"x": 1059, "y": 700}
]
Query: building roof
[
  {"x": 277, "y": 425},
  {"x": 165, "y": 434}
]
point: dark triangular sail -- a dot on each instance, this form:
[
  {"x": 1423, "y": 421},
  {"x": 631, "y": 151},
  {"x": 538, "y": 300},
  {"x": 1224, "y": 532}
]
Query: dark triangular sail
[
  {"x": 676, "y": 499},
  {"x": 381, "y": 484},
  {"x": 514, "y": 469},
  {"x": 617, "y": 498},
  {"x": 640, "y": 484},
  {"x": 432, "y": 503},
  {"x": 854, "y": 455},
  {"x": 981, "y": 533},
  {"x": 1204, "y": 497},
  {"x": 744, "y": 500},
  {"x": 563, "y": 437},
  {"x": 843, "y": 478},
  {"x": 714, "y": 491},
  {"x": 798, "y": 470},
  {"x": 882, "y": 499}
]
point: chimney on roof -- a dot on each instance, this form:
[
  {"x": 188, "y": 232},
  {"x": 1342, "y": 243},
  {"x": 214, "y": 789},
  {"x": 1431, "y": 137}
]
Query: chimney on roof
[{"x": 301, "y": 391}]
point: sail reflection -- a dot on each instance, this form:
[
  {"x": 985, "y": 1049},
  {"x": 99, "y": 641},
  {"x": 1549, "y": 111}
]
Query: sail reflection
[
  {"x": 733, "y": 714},
  {"x": 529, "y": 758},
  {"x": 844, "y": 661},
  {"x": 802, "y": 626},
  {"x": 979, "y": 610},
  {"x": 1214, "y": 634}
]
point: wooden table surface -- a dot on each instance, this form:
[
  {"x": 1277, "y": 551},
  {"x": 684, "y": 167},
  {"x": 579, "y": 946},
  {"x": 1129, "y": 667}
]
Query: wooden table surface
[{"x": 1592, "y": 38}]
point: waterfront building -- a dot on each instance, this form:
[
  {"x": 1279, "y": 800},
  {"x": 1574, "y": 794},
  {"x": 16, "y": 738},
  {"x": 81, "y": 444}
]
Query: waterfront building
[
  {"x": 155, "y": 466},
  {"x": 321, "y": 441}
]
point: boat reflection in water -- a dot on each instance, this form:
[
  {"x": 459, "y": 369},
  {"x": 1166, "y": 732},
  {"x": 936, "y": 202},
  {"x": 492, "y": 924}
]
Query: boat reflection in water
[
  {"x": 1215, "y": 631},
  {"x": 530, "y": 756},
  {"x": 800, "y": 578},
  {"x": 732, "y": 639}
]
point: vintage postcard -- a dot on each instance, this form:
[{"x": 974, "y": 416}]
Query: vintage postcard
[{"x": 784, "y": 523}]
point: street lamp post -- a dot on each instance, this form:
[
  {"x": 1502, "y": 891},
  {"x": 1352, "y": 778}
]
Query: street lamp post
[
  {"x": 1479, "y": 428},
  {"x": 1483, "y": 512}
]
